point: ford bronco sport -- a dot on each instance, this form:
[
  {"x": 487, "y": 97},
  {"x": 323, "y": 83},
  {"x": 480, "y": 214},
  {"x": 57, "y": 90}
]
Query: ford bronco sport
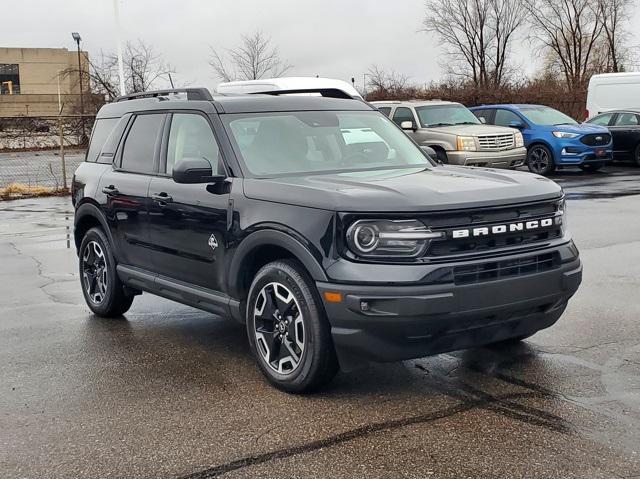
[{"x": 317, "y": 222}]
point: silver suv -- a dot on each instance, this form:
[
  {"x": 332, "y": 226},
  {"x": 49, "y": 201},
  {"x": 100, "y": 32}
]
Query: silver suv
[{"x": 455, "y": 134}]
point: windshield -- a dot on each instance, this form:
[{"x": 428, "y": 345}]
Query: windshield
[
  {"x": 287, "y": 143},
  {"x": 543, "y": 115},
  {"x": 446, "y": 115}
]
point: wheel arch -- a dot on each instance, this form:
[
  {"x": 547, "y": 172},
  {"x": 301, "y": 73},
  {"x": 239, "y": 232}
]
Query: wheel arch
[
  {"x": 262, "y": 247},
  {"x": 87, "y": 216}
]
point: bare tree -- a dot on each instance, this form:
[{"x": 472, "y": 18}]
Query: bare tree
[
  {"x": 143, "y": 69},
  {"x": 386, "y": 82},
  {"x": 613, "y": 15},
  {"x": 477, "y": 35},
  {"x": 569, "y": 30},
  {"x": 253, "y": 59}
]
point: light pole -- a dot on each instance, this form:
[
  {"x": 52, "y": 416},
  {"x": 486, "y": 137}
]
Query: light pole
[{"x": 77, "y": 38}]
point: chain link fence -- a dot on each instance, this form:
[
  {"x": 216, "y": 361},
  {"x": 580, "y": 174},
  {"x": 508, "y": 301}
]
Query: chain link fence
[{"x": 38, "y": 155}]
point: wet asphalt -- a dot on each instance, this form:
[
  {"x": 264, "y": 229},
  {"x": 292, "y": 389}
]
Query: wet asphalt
[{"x": 169, "y": 391}]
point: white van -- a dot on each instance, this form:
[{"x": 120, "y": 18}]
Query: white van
[
  {"x": 290, "y": 85},
  {"x": 613, "y": 91}
]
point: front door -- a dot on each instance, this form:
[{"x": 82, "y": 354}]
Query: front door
[
  {"x": 623, "y": 129},
  {"x": 188, "y": 222},
  {"x": 124, "y": 190}
]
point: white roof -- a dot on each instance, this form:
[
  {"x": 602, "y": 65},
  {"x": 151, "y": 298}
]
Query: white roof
[{"x": 287, "y": 83}]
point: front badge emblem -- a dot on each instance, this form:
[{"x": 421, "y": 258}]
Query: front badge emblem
[{"x": 213, "y": 242}]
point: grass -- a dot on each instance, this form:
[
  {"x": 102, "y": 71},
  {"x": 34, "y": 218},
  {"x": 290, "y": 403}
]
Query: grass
[{"x": 18, "y": 190}]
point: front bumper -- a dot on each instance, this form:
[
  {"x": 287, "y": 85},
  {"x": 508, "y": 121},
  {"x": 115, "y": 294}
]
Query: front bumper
[
  {"x": 574, "y": 152},
  {"x": 381, "y": 323},
  {"x": 490, "y": 159}
]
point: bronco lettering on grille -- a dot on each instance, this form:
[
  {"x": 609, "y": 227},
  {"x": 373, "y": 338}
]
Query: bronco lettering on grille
[{"x": 504, "y": 228}]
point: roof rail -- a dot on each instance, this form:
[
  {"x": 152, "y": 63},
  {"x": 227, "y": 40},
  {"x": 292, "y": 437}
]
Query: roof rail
[
  {"x": 192, "y": 94},
  {"x": 327, "y": 92}
]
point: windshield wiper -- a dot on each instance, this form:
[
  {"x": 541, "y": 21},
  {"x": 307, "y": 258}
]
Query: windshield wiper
[
  {"x": 467, "y": 123},
  {"x": 565, "y": 123},
  {"x": 440, "y": 124}
]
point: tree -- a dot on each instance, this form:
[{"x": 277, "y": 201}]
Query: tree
[
  {"x": 255, "y": 58},
  {"x": 613, "y": 14},
  {"x": 569, "y": 30},
  {"x": 388, "y": 83},
  {"x": 143, "y": 68},
  {"x": 476, "y": 35}
]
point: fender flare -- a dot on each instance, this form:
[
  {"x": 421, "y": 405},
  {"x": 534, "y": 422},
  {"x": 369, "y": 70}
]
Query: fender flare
[
  {"x": 89, "y": 209},
  {"x": 271, "y": 238}
]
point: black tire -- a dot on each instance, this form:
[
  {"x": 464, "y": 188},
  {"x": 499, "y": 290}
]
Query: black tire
[
  {"x": 110, "y": 300},
  {"x": 636, "y": 155},
  {"x": 309, "y": 360},
  {"x": 540, "y": 160},
  {"x": 591, "y": 167},
  {"x": 442, "y": 156}
]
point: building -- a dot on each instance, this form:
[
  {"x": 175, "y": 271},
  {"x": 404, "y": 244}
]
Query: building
[{"x": 29, "y": 79}]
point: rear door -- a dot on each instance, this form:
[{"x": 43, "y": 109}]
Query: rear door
[
  {"x": 625, "y": 129},
  {"x": 123, "y": 190},
  {"x": 189, "y": 222}
]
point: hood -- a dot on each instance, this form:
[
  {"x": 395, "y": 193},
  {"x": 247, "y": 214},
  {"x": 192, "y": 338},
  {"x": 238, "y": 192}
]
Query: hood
[
  {"x": 472, "y": 130},
  {"x": 581, "y": 129},
  {"x": 410, "y": 189}
]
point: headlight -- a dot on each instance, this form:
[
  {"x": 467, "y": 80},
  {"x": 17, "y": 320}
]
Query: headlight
[
  {"x": 519, "y": 140},
  {"x": 465, "y": 143},
  {"x": 564, "y": 134},
  {"x": 389, "y": 238}
]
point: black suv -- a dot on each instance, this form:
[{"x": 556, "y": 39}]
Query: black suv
[{"x": 317, "y": 222}]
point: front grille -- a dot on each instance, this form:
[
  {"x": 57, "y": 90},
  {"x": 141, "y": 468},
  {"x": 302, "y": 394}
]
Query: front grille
[
  {"x": 450, "y": 248},
  {"x": 599, "y": 139},
  {"x": 480, "y": 273},
  {"x": 496, "y": 142}
]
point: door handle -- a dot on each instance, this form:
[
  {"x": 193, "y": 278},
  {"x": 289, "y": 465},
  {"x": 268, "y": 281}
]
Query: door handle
[
  {"x": 110, "y": 190},
  {"x": 161, "y": 198}
]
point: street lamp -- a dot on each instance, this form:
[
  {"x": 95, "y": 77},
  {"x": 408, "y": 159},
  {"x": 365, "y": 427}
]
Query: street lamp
[{"x": 76, "y": 37}]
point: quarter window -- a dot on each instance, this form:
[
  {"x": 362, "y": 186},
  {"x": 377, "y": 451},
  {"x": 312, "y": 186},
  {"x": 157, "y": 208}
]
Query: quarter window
[
  {"x": 385, "y": 110},
  {"x": 139, "y": 147},
  {"x": 101, "y": 130},
  {"x": 403, "y": 114},
  {"x": 191, "y": 137},
  {"x": 505, "y": 117}
]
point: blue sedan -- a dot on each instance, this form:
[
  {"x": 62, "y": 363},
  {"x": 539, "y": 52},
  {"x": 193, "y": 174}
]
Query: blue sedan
[{"x": 552, "y": 138}]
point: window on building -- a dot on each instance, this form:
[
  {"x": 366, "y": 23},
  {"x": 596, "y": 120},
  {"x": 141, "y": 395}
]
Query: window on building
[{"x": 9, "y": 79}]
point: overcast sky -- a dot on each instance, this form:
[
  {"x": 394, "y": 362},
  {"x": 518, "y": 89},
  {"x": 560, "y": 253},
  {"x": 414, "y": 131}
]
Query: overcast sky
[{"x": 332, "y": 38}]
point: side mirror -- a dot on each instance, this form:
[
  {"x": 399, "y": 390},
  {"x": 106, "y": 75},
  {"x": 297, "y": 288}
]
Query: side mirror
[
  {"x": 483, "y": 120},
  {"x": 430, "y": 151},
  {"x": 516, "y": 124},
  {"x": 408, "y": 125},
  {"x": 194, "y": 170}
]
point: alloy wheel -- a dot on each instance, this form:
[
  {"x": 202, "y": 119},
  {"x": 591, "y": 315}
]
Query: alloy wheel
[
  {"x": 539, "y": 160},
  {"x": 279, "y": 328},
  {"x": 94, "y": 272}
]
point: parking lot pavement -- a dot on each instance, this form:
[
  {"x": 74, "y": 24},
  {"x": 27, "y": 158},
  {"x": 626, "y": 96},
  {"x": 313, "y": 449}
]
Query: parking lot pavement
[{"x": 170, "y": 391}]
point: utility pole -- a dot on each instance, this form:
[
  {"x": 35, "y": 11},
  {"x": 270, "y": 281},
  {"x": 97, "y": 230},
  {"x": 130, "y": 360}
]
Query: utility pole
[
  {"x": 77, "y": 38},
  {"x": 116, "y": 13}
]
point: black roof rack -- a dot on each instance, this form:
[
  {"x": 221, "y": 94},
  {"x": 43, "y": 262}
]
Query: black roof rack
[{"x": 192, "y": 94}]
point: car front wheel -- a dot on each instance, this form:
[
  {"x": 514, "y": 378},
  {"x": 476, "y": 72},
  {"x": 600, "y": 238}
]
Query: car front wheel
[
  {"x": 540, "y": 160},
  {"x": 288, "y": 332}
]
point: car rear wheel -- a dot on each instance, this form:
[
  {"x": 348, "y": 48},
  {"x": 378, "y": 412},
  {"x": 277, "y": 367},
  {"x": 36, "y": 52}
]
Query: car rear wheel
[
  {"x": 540, "y": 160},
  {"x": 591, "y": 167},
  {"x": 288, "y": 332},
  {"x": 103, "y": 291}
]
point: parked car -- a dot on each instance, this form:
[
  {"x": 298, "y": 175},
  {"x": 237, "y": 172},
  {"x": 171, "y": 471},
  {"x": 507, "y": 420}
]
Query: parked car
[
  {"x": 455, "y": 134},
  {"x": 320, "y": 225},
  {"x": 625, "y": 129},
  {"x": 552, "y": 138},
  {"x": 613, "y": 91}
]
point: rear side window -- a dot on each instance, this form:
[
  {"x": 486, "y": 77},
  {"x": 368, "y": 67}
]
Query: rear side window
[
  {"x": 403, "y": 114},
  {"x": 504, "y": 117},
  {"x": 102, "y": 128},
  {"x": 626, "y": 119},
  {"x": 385, "y": 110},
  {"x": 140, "y": 146}
]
